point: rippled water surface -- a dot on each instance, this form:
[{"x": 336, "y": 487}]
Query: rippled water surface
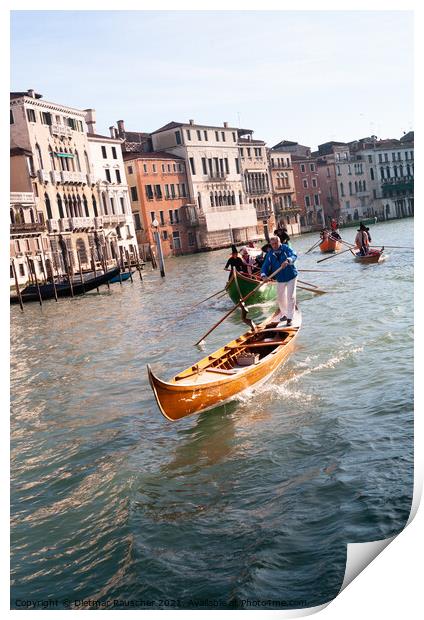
[{"x": 253, "y": 500}]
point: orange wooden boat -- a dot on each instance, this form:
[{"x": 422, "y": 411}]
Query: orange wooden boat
[
  {"x": 330, "y": 245},
  {"x": 218, "y": 377},
  {"x": 373, "y": 256}
]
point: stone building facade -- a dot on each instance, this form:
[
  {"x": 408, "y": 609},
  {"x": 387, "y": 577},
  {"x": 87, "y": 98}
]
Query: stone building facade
[
  {"x": 62, "y": 178},
  {"x": 308, "y": 193},
  {"x": 284, "y": 192},
  {"x": 159, "y": 193},
  {"x": 211, "y": 156},
  {"x": 257, "y": 179}
]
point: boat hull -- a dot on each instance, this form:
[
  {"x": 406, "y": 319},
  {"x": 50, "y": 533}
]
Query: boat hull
[
  {"x": 374, "y": 256},
  {"x": 125, "y": 275},
  {"x": 330, "y": 245},
  {"x": 30, "y": 293},
  {"x": 246, "y": 285},
  {"x": 201, "y": 392}
]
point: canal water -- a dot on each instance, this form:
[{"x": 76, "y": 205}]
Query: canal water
[{"x": 253, "y": 501}]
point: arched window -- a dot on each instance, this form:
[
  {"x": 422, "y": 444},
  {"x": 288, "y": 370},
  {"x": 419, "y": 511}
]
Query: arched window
[
  {"x": 21, "y": 216},
  {"x": 39, "y": 158},
  {"x": 372, "y": 174},
  {"x": 65, "y": 202},
  {"x": 31, "y": 215},
  {"x": 48, "y": 207},
  {"x": 95, "y": 207},
  {"x": 408, "y": 170},
  {"x": 71, "y": 206},
  {"x": 112, "y": 204},
  {"x": 81, "y": 250},
  {"x": 350, "y": 188},
  {"x": 233, "y": 198},
  {"x": 59, "y": 205},
  {"x": 87, "y": 163},
  {"x": 212, "y": 199},
  {"x": 395, "y": 171},
  {"x": 382, "y": 172},
  {"x": 79, "y": 207},
  {"x": 12, "y": 216},
  {"x": 77, "y": 161},
  {"x": 341, "y": 189},
  {"x": 401, "y": 170},
  {"x": 104, "y": 203},
  {"x": 356, "y": 186},
  {"x": 87, "y": 213},
  {"x": 364, "y": 188},
  {"x": 52, "y": 161},
  {"x": 240, "y": 198},
  {"x": 388, "y": 172},
  {"x": 199, "y": 200}
]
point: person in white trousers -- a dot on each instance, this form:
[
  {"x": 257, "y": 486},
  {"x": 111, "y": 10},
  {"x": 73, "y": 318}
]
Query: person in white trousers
[{"x": 281, "y": 255}]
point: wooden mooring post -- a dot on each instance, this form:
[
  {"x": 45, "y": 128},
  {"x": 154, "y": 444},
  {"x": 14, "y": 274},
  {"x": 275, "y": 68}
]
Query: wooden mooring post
[{"x": 18, "y": 290}]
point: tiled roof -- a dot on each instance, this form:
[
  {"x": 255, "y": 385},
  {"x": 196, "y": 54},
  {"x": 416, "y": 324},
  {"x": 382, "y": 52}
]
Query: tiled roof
[{"x": 152, "y": 155}]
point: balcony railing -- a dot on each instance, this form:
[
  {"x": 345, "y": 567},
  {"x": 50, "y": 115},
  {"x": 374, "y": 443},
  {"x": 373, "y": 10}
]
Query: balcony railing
[
  {"x": 27, "y": 227},
  {"x": 22, "y": 198},
  {"x": 52, "y": 225},
  {"x": 81, "y": 222},
  {"x": 73, "y": 177},
  {"x": 58, "y": 129},
  {"x": 114, "y": 220},
  {"x": 398, "y": 180},
  {"x": 65, "y": 224},
  {"x": 258, "y": 191},
  {"x": 43, "y": 176},
  {"x": 217, "y": 177},
  {"x": 55, "y": 176}
]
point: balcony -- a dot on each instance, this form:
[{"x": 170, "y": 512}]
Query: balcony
[
  {"x": 81, "y": 222},
  {"x": 22, "y": 198},
  {"x": 55, "y": 177},
  {"x": 52, "y": 226},
  {"x": 27, "y": 227},
  {"x": 258, "y": 191},
  {"x": 217, "y": 177},
  {"x": 73, "y": 177},
  {"x": 398, "y": 184},
  {"x": 43, "y": 176},
  {"x": 114, "y": 220},
  {"x": 65, "y": 224},
  {"x": 60, "y": 130}
]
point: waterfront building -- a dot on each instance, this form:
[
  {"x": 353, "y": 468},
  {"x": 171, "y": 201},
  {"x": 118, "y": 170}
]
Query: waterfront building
[
  {"x": 308, "y": 193},
  {"x": 215, "y": 183},
  {"x": 328, "y": 155},
  {"x": 257, "y": 179},
  {"x": 52, "y": 139},
  {"x": 283, "y": 186},
  {"x": 113, "y": 206},
  {"x": 389, "y": 166},
  {"x": 159, "y": 193}
]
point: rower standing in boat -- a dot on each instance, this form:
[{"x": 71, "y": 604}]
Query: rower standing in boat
[
  {"x": 235, "y": 261},
  {"x": 282, "y": 255},
  {"x": 362, "y": 239}
]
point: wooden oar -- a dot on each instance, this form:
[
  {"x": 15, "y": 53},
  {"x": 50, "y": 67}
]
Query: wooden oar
[
  {"x": 314, "y": 246},
  {"x": 396, "y": 247},
  {"x": 227, "y": 314},
  {"x": 210, "y": 297},
  {"x": 308, "y": 283},
  {"x": 317, "y": 291},
  {"x": 332, "y": 255}
]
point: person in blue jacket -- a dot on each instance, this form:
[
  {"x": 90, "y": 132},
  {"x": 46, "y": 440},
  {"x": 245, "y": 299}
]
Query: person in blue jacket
[{"x": 282, "y": 255}]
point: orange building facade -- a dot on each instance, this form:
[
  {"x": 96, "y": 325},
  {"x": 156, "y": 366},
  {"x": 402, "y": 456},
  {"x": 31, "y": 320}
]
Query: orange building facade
[{"x": 158, "y": 188}]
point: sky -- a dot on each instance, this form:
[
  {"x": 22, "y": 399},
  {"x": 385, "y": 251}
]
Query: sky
[{"x": 308, "y": 76}]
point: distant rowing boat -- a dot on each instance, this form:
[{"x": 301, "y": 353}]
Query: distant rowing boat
[
  {"x": 64, "y": 289},
  {"x": 373, "y": 256},
  {"x": 330, "y": 245},
  {"x": 218, "y": 377},
  {"x": 242, "y": 285}
]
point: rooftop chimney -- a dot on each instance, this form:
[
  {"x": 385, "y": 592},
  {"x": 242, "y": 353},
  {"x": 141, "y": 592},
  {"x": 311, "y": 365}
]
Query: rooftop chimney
[
  {"x": 121, "y": 127},
  {"x": 225, "y": 124},
  {"x": 112, "y": 131},
  {"x": 31, "y": 93},
  {"x": 90, "y": 119},
  {"x": 191, "y": 121}
]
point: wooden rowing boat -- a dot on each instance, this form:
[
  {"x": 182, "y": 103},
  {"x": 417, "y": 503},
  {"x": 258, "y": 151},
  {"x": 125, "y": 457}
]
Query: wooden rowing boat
[
  {"x": 218, "y": 377},
  {"x": 330, "y": 245},
  {"x": 63, "y": 289},
  {"x": 240, "y": 285},
  {"x": 373, "y": 256}
]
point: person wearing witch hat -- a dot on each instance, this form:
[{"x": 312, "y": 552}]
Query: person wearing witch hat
[{"x": 362, "y": 240}]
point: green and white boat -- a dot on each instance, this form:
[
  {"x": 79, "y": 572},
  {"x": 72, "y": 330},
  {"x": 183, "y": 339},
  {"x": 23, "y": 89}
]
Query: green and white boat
[{"x": 240, "y": 285}]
